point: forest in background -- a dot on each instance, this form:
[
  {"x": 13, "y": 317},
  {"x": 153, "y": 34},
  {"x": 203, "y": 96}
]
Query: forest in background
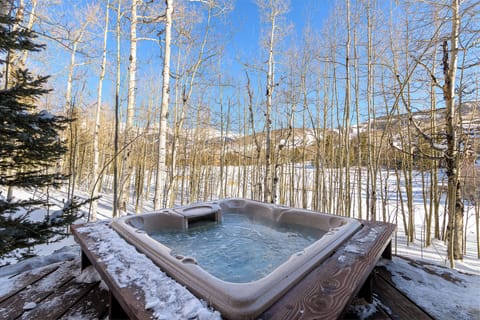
[{"x": 318, "y": 117}]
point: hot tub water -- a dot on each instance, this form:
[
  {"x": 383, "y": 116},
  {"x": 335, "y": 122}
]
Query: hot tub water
[{"x": 239, "y": 249}]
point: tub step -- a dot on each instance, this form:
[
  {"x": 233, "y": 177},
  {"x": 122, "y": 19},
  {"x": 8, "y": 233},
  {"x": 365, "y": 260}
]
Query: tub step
[{"x": 199, "y": 213}]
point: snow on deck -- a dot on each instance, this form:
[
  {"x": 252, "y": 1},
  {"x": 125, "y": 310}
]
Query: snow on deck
[
  {"x": 164, "y": 296},
  {"x": 444, "y": 293}
]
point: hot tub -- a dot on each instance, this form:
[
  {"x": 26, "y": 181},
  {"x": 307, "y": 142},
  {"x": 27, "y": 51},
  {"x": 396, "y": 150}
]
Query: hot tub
[{"x": 245, "y": 295}]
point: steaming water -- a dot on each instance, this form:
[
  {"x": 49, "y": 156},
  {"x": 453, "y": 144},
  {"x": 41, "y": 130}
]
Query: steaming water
[{"x": 239, "y": 249}]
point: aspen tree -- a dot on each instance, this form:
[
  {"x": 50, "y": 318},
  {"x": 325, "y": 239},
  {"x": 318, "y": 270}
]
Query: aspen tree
[
  {"x": 126, "y": 169},
  {"x": 434, "y": 194},
  {"x": 346, "y": 131},
  {"x": 246, "y": 165},
  {"x": 371, "y": 166},
  {"x": 15, "y": 57},
  {"x": 159, "y": 198},
  {"x": 224, "y": 130},
  {"x": 455, "y": 205},
  {"x": 306, "y": 65},
  {"x": 70, "y": 110},
  {"x": 408, "y": 144},
  {"x": 117, "y": 113},
  {"x": 316, "y": 133},
  {"x": 334, "y": 194},
  {"x": 29, "y": 26},
  {"x": 143, "y": 167},
  {"x": 326, "y": 204},
  {"x": 96, "y": 151},
  {"x": 256, "y": 184},
  {"x": 179, "y": 111},
  {"x": 274, "y": 9},
  {"x": 356, "y": 87}
]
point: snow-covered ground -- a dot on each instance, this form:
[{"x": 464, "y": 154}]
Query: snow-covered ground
[
  {"x": 444, "y": 293},
  {"x": 442, "y": 298}
]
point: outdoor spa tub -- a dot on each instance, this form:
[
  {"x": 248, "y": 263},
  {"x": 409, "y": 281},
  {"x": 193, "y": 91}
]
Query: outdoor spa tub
[{"x": 238, "y": 255}]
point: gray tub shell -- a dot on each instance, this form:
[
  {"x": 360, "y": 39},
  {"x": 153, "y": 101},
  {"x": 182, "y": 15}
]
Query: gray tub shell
[{"x": 235, "y": 300}]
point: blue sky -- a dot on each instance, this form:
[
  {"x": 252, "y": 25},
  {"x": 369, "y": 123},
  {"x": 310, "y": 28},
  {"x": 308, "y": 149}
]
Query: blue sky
[
  {"x": 243, "y": 28},
  {"x": 247, "y": 25}
]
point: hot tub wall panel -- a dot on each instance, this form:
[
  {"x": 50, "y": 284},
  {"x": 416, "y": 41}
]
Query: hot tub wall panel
[{"x": 161, "y": 220}]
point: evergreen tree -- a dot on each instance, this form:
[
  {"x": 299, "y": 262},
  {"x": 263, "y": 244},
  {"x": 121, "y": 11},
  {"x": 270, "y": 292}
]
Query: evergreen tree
[{"x": 30, "y": 145}]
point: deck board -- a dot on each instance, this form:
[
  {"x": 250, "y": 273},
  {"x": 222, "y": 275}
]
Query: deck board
[
  {"x": 93, "y": 305},
  {"x": 90, "y": 301},
  {"x": 404, "y": 307},
  {"x": 60, "y": 301},
  {"x": 54, "y": 293},
  {"x": 21, "y": 281},
  {"x": 13, "y": 307}
]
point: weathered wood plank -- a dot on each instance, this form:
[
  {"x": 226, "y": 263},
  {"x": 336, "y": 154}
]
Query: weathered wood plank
[
  {"x": 328, "y": 289},
  {"x": 131, "y": 299},
  {"x": 60, "y": 301},
  {"x": 93, "y": 305},
  {"x": 13, "y": 307},
  {"x": 21, "y": 281},
  {"x": 400, "y": 305},
  {"x": 433, "y": 269}
]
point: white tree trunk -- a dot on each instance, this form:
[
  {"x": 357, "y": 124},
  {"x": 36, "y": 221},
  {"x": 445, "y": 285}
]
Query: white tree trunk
[
  {"x": 125, "y": 179},
  {"x": 31, "y": 21},
  {"x": 347, "y": 198},
  {"x": 455, "y": 213},
  {"x": 117, "y": 108},
  {"x": 267, "y": 183},
  {"x": 162, "y": 138},
  {"x": 96, "y": 151},
  {"x": 70, "y": 110}
]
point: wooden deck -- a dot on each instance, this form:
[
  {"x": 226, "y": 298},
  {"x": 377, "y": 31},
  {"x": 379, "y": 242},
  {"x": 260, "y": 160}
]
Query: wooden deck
[
  {"x": 52, "y": 292},
  {"x": 346, "y": 281},
  {"x": 324, "y": 293}
]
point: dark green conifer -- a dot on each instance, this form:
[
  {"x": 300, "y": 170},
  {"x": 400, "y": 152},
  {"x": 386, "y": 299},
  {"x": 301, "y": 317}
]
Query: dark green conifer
[{"x": 30, "y": 148}]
